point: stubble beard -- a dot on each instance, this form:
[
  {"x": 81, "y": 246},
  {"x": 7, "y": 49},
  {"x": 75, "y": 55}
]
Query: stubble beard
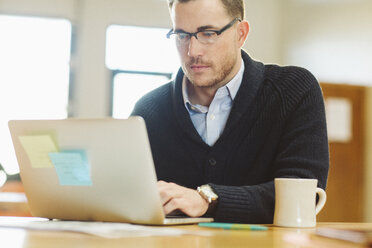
[{"x": 218, "y": 80}]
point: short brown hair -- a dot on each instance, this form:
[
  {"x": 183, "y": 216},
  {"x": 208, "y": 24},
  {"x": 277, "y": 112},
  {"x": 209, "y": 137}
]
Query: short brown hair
[{"x": 234, "y": 8}]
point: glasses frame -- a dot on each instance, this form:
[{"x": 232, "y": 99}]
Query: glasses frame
[{"x": 195, "y": 34}]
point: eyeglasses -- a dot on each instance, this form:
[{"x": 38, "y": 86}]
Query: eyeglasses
[{"x": 203, "y": 36}]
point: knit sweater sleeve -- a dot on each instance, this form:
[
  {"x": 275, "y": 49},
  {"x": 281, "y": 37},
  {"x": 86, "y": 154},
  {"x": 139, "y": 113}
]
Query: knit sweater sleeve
[{"x": 302, "y": 152}]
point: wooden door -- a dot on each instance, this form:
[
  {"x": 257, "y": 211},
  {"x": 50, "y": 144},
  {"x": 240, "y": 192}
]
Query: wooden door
[{"x": 345, "y": 186}]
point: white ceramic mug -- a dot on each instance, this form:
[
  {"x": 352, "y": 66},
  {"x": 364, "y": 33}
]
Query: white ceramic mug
[{"x": 295, "y": 202}]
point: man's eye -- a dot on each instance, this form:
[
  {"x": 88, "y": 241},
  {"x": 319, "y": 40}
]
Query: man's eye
[
  {"x": 207, "y": 34},
  {"x": 182, "y": 36}
]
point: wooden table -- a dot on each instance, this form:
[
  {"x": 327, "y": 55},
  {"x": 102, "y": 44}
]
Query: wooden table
[
  {"x": 13, "y": 201},
  {"x": 274, "y": 237},
  {"x": 13, "y": 204}
]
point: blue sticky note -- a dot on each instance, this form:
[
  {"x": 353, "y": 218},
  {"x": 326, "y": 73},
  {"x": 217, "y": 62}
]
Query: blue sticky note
[{"x": 72, "y": 167}]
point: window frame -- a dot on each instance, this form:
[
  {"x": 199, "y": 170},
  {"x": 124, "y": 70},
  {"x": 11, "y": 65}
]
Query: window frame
[{"x": 116, "y": 72}]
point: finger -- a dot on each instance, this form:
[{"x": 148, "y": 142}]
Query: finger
[
  {"x": 161, "y": 182},
  {"x": 191, "y": 203},
  {"x": 162, "y": 185},
  {"x": 182, "y": 205},
  {"x": 168, "y": 191},
  {"x": 172, "y": 206},
  {"x": 165, "y": 196}
]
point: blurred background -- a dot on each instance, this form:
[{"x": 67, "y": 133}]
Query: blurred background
[{"x": 95, "y": 58}]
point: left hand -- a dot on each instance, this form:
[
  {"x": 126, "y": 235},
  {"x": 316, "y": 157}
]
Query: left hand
[{"x": 175, "y": 197}]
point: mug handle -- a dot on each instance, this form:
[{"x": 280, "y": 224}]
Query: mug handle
[{"x": 322, "y": 200}]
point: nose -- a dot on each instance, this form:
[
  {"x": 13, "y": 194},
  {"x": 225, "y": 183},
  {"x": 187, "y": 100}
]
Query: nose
[{"x": 195, "y": 47}]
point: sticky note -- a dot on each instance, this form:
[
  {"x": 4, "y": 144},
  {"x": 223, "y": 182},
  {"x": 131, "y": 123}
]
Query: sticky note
[
  {"x": 72, "y": 167},
  {"x": 51, "y": 133},
  {"x": 37, "y": 148}
]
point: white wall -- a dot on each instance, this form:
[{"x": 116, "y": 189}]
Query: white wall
[
  {"x": 332, "y": 39},
  {"x": 264, "y": 40},
  {"x": 54, "y": 8}
]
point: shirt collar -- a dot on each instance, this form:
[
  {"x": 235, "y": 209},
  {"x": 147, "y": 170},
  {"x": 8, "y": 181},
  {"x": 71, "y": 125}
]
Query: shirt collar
[
  {"x": 232, "y": 87},
  {"x": 234, "y": 84},
  {"x": 189, "y": 106}
]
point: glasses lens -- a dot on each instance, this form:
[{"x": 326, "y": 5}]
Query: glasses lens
[
  {"x": 207, "y": 37},
  {"x": 182, "y": 37}
]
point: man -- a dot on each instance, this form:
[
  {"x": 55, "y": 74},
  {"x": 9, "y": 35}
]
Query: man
[{"x": 229, "y": 125}]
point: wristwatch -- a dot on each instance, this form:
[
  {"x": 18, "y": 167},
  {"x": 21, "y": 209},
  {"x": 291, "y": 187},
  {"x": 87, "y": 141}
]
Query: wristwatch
[{"x": 207, "y": 193}]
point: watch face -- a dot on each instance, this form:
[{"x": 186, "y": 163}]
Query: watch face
[{"x": 208, "y": 192}]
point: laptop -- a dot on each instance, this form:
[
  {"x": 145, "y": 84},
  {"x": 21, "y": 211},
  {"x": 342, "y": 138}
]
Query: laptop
[{"x": 90, "y": 170}]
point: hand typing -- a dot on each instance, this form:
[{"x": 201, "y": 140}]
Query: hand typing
[{"x": 175, "y": 197}]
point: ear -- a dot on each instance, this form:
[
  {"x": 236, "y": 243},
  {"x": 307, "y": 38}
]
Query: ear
[{"x": 243, "y": 30}]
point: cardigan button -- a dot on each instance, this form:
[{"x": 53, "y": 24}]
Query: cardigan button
[{"x": 212, "y": 161}]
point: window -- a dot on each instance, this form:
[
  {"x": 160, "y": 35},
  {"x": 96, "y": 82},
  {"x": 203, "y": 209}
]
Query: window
[
  {"x": 141, "y": 59},
  {"x": 34, "y": 78}
]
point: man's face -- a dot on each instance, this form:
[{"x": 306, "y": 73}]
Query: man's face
[{"x": 207, "y": 65}]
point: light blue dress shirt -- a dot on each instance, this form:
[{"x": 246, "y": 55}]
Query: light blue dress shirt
[{"x": 210, "y": 121}]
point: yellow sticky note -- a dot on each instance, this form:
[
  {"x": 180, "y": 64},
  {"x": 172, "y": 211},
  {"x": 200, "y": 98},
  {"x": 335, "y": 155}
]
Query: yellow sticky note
[
  {"x": 38, "y": 148},
  {"x": 51, "y": 133}
]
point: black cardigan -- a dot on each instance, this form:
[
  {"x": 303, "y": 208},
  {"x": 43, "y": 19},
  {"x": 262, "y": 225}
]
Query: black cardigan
[{"x": 276, "y": 128}]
